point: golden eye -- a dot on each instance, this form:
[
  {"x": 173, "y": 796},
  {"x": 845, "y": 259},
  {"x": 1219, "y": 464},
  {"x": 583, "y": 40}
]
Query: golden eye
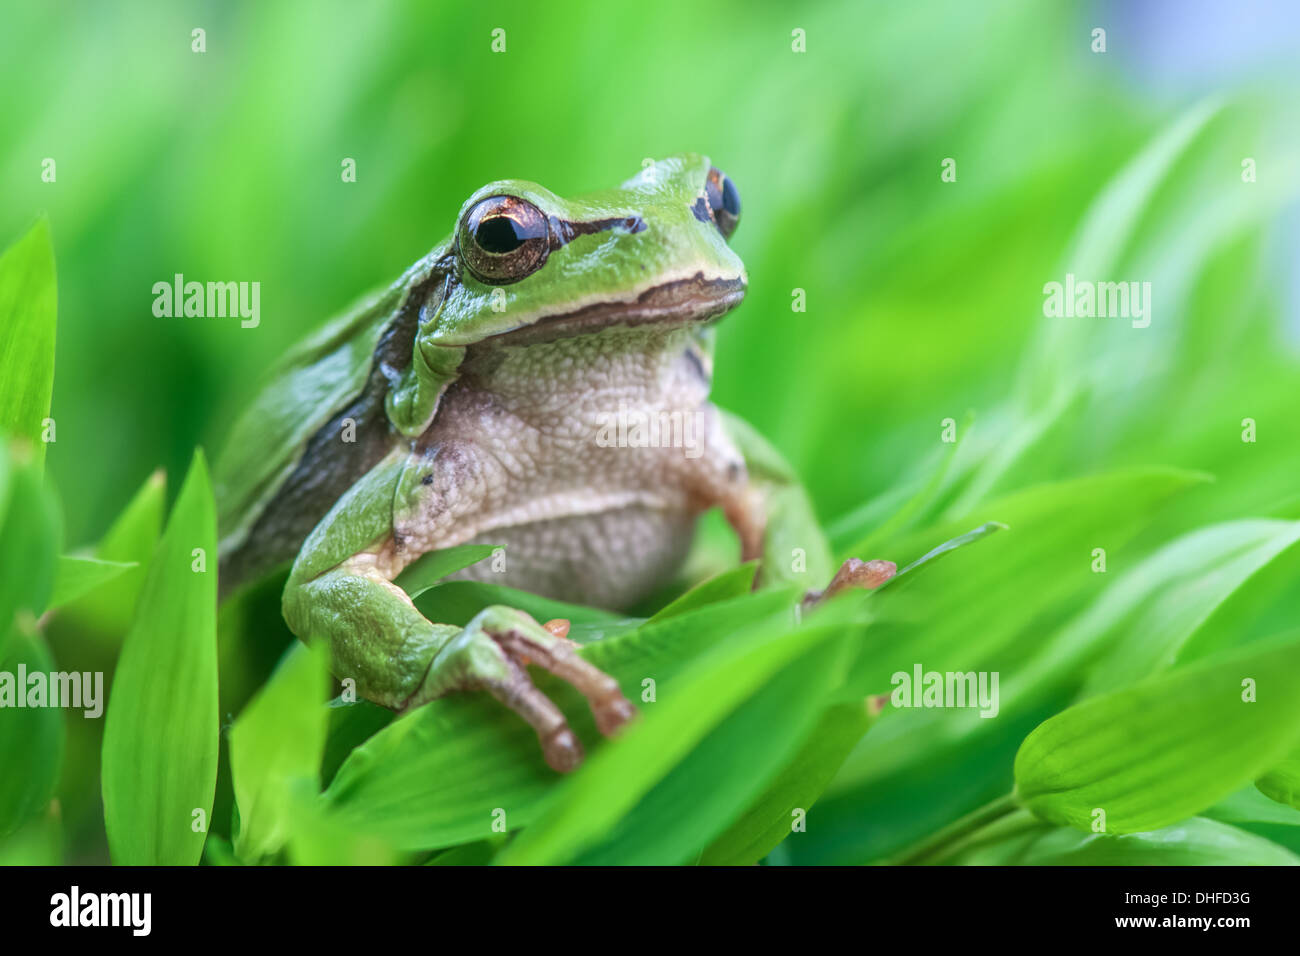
[{"x": 502, "y": 239}]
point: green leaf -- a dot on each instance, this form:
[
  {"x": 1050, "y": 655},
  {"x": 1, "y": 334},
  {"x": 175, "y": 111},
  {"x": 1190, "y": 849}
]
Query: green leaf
[
  {"x": 728, "y": 584},
  {"x": 455, "y": 602},
  {"x": 31, "y": 738},
  {"x": 705, "y": 791},
  {"x": 433, "y": 777},
  {"x": 429, "y": 569},
  {"x": 1167, "y": 748},
  {"x": 30, "y": 532},
  {"x": 28, "y": 308},
  {"x": 76, "y": 577},
  {"x": 1171, "y": 596},
  {"x": 278, "y": 740},
  {"x": 1282, "y": 782},
  {"x": 591, "y": 802},
  {"x": 768, "y": 820},
  {"x": 1023, "y": 841},
  {"x": 129, "y": 540},
  {"x": 160, "y": 737}
]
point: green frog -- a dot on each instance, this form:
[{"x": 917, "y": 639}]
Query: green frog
[{"x": 502, "y": 392}]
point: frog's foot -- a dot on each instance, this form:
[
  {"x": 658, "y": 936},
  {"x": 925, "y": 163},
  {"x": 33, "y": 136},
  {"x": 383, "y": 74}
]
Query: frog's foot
[
  {"x": 491, "y": 654},
  {"x": 853, "y": 573}
]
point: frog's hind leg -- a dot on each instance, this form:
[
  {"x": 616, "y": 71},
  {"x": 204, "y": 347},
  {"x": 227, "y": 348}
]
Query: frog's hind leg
[{"x": 341, "y": 591}]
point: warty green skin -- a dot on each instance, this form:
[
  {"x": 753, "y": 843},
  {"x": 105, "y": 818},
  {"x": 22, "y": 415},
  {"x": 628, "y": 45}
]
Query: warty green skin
[{"x": 475, "y": 409}]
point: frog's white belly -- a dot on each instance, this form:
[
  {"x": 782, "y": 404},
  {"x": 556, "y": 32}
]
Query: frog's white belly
[
  {"x": 607, "y": 559},
  {"x": 522, "y": 455}
]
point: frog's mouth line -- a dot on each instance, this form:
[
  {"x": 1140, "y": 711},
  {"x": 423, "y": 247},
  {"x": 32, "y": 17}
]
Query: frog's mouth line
[{"x": 680, "y": 302}]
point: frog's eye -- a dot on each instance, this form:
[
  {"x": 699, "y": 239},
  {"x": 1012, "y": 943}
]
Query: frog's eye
[
  {"x": 724, "y": 201},
  {"x": 503, "y": 239}
]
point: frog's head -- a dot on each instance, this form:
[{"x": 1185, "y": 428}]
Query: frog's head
[{"x": 525, "y": 265}]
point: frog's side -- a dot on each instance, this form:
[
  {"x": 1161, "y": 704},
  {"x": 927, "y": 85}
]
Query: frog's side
[{"x": 502, "y": 366}]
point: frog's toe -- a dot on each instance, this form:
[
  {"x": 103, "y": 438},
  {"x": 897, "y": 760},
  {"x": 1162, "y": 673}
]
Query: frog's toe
[
  {"x": 854, "y": 573},
  {"x": 539, "y": 645}
]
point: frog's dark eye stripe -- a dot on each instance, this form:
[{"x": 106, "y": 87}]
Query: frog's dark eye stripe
[
  {"x": 502, "y": 239},
  {"x": 724, "y": 201}
]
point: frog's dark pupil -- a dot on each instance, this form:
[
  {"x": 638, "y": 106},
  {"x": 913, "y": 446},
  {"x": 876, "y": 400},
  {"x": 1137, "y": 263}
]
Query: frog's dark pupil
[
  {"x": 499, "y": 235},
  {"x": 730, "y": 196}
]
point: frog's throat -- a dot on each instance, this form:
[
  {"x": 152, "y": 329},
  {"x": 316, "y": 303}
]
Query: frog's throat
[{"x": 679, "y": 302}]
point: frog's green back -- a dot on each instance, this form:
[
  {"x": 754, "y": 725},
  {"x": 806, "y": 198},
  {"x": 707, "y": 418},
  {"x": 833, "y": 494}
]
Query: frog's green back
[{"x": 318, "y": 380}]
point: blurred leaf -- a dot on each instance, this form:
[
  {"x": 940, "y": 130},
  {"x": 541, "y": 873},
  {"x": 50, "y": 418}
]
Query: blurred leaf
[
  {"x": 1023, "y": 841},
  {"x": 1167, "y": 748},
  {"x": 130, "y": 539},
  {"x": 31, "y": 737},
  {"x": 160, "y": 736},
  {"x": 478, "y": 853},
  {"x": 728, "y": 769},
  {"x": 278, "y": 739},
  {"x": 39, "y": 842},
  {"x": 961, "y": 541},
  {"x": 729, "y": 584},
  {"x": 1250, "y": 810},
  {"x": 30, "y": 532},
  {"x": 351, "y": 723},
  {"x": 76, "y": 577},
  {"x": 768, "y": 820},
  {"x": 1282, "y": 782},
  {"x": 1172, "y": 595},
  {"x": 319, "y": 837},
  {"x": 27, "y": 318}
]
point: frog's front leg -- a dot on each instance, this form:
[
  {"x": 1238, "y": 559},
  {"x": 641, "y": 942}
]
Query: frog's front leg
[
  {"x": 341, "y": 591},
  {"x": 792, "y": 546}
]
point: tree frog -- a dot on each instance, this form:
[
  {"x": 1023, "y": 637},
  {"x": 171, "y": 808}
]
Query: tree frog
[{"x": 483, "y": 397}]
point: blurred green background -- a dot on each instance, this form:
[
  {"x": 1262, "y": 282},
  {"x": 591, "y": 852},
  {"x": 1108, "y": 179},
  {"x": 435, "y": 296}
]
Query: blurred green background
[{"x": 924, "y": 298}]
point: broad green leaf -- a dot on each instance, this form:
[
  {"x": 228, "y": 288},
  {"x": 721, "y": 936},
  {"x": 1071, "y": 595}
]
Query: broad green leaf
[
  {"x": 1174, "y": 593},
  {"x": 160, "y": 735},
  {"x": 28, "y": 307},
  {"x": 429, "y": 569},
  {"x": 278, "y": 739},
  {"x": 433, "y": 777},
  {"x": 31, "y": 737},
  {"x": 320, "y": 837},
  {"x": 1024, "y": 841},
  {"x": 1167, "y": 748},
  {"x": 1011, "y": 579},
  {"x": 31, "y": 528},
  {"x": 729, "y": 769},
  {"x": 768, "y": 820},
  {"x": 589, "y": 804},
  {"x": 1248, "y": 809},
  {"x": 77, "y": 576},
  {"x": 1282, "y": 782}
]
